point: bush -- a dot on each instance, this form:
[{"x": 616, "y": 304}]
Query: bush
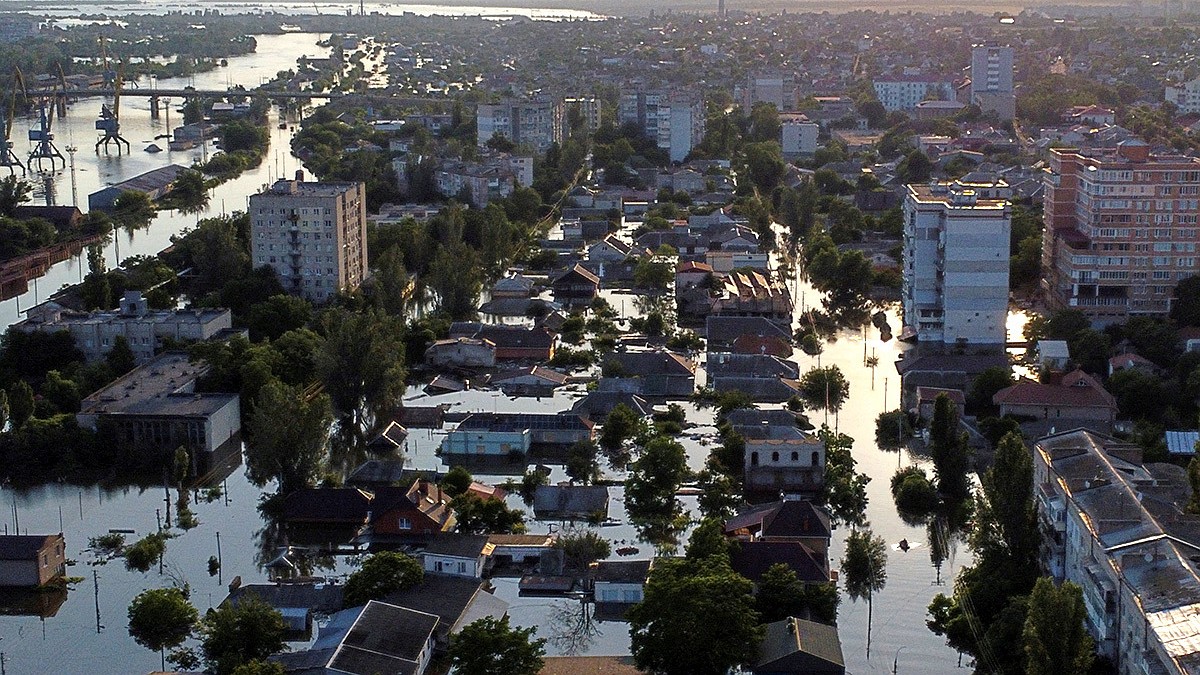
[{"x": 143, "y": 553}]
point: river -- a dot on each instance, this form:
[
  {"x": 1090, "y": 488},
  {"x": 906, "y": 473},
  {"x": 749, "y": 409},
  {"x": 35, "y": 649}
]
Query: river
[{"x": 70, "y": 638}]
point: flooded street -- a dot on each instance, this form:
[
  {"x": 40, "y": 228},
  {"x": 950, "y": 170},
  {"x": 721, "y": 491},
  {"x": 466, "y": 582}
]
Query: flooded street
[{"x": 69, "y": 633}]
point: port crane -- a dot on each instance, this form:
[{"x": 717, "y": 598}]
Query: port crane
[
  {"x": 109, "y": 123},
  {"x": 8, "y": 158},
  {"x": 42, "y": 135}
]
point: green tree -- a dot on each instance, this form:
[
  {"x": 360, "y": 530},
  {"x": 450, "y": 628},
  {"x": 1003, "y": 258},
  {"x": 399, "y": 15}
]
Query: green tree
[
  {"x": 380, "y": 574},
  {"x": 764, "y": 165},
  {"x": 490, "y": 646},
  {"x": 133, "y": 210},
  {"x": 582, "y": 465},
  {"x": 287, "y": 436},
  {"x": 781, "y": 594},
  {"x": 915, "y": 167},
  {"x": 362, "y": 364},
  {"x": 985, "y": 386},
  {"x": 1185, "y": 303},
  {"x": 581, "y": 548},
  {"x": 1005, "y": 522},
  {"x": 189, "y": 193},
  {"x": 530, "y": 482},
  {"x": 1193, "y": 471},
  {"x": 277, "y": 315},
  {"x": 892, "y": 429},
  {"x": 654, "y": 479},
  {"x": 456, "y": 481},
  {"x": 1055, "y": 639},
  {"x": 824, "y": 389},
  {"x": 845, "y": 491},
  {"x": 4, "y": 409},
  {"x": 160, "y": 619},
  {"x": 708, "y": 540},
  {"x": 257, "y": 667},
  {"x": 13, "y": 192},
  {"x": 20, "y": 402},
  {"x": 949, "y": 449},
  {"x": 620, "y": 425},
  {"x": 913, "y": 492},
  {"x": 486, "y": 516},
  {"x": 120, "y": 358},
  {"x": 653, "y": 274},
  {"x": 143, "y": 553},
  {"x": 234, "y": 635},
  {"x": 696, "y": 618},
  {"x": 455, "y": 277},
  {"x": 96, "y": 291},
  {"x": 864, "y": 568}
]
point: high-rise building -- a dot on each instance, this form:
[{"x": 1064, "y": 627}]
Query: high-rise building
[
  {"x": 1121, "y": 230},
  {"x": 992, "y": 79},
  {"x": 674, "y": 120},
  {"x": 956, "y": 258},
  {"x": 797, "y": 135},
  {"x": 531, "y": 122},
  {"x": 314, "y": 235},
  {"x": 589, "y": 108},
  {"x": 775, "y": 88}
]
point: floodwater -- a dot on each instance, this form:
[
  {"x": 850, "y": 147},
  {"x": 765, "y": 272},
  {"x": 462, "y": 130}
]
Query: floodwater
[{"x": 70, "y": 636}]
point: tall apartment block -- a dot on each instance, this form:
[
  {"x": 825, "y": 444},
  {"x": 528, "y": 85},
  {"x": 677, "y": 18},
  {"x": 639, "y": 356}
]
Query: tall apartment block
[
  {"x": 314, "y": 235},
  {"x": 1121, "y": 230},
  {"x": 589, "y": 107},
  {"x": 534, "y": 122},
  {"x": 992, "y": 79},
  {"x": 775, "y": 88},
  {"x": 956, "y": 257},
  {"x": 674, "y": 120}
]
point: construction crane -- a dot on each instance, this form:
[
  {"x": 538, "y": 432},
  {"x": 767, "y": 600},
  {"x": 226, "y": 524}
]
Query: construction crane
[
  {"x": 8, "y": 158},
  {"x": 42, "y": 135},
  {"x": 109, "y": 123}
]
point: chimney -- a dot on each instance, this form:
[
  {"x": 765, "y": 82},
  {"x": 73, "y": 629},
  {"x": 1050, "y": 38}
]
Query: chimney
[{"x": 299, "y": 175}]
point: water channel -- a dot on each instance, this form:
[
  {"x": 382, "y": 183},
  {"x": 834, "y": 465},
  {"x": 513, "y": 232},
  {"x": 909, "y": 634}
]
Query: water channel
[{"x": 68, "y": 639}]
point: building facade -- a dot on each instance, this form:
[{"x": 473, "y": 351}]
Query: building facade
[
  {"x": 798, "y": 136},
  {"x": 144, "y": 329},
  {"x": 314, "y": 235},
  {"x": 1121, "y": 230},
  {"x": 904, "y": 92},
  {"x": 674, "y": 120},
  {"x": 1115, "y": 527},
  {"x": 956, "y": 261},
  {"x": 534, "y": 122},
  {"x": 1185, "y": 96},
  {"x": 992, "y": 79},
  {"x": 31, "y": 561}
]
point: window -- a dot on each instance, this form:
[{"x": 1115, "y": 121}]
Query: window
[
  {"x": 404, "y": 524},
  {"x": 774, "y": 456},
  {"x": 754, "y": 459},
  {"x": 795, "y": 457},
  {"x": 816, "y": 458}
]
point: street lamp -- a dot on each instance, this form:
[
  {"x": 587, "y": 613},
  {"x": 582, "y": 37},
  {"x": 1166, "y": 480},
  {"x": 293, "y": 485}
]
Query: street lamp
[{"x": 896, "y": 661}]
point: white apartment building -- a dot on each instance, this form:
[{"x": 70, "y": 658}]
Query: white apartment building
[
  {"x": 1185, "y": 96},
  {"x": 1115, "y": 527},
  {"x": 956, "y": 257},
  {"x": 774, "y": 88},
  {"x": 798, "y": 136},
  {"x": 145, "y": 330},
  {"x": 904, "y": 92},
  {"x": 314, "y": 235},
  {"x": 992, "y": 79},
  {"x": 589, "y": 106},
  {"x": 533, "y": 122},
  {"x": 674, "y": 120}
]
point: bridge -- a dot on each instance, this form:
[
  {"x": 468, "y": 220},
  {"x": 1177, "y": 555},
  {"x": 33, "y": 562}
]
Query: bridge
[{"x": 186, "y": 92}]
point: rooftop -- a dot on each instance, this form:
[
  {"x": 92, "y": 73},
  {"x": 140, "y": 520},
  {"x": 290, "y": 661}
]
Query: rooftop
[
  {"x": 163, "y": 386},
  {"x": 942, "y": 194},
  {"x": 296, "y": 188},
  {"x": 24, "y": 547}
]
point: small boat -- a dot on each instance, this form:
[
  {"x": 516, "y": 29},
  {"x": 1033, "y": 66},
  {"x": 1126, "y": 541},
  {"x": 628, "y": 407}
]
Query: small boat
[
  {"x": 153, "y": 148},
  {"x": 905, "y": 545},
  {"x": 627, "y": 550}
]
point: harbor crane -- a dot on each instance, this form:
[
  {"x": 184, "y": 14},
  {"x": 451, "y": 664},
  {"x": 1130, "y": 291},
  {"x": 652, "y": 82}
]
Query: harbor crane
[
  {"x": 8, "y": 158},
  {"x": 42, "y": 135},
  {"x": 109, "y": 123}
]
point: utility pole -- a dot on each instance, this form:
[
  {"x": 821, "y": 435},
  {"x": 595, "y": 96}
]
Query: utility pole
[
  {"x": 71, "y": 150},
  {"x": 96, "y": 587}
]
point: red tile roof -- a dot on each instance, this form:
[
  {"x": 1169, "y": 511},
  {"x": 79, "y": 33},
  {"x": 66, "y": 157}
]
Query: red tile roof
[{"x": 1078, "y": 390}]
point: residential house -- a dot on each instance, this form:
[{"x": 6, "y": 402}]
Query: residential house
[
  {"x": 376, "y": 638},
  {"x": 512, "y": 286},
  {"x": 456, "y": 601},
  {"x": 506, "y": 434},
  {"x": 391, "y": 439},
  {"x": 1078, "y": 396},
  {"x": 659, "y": 373},
  {"x": 296, "y": 602},
  {"x": 327, "y": 506},
  {"x": 786, "y": 520},
  {"x": 752, "y": 559},
  {"x": 584, "y": 229},
  {"x": 528, "y": 381},
  {"x": 1181, "y": 443},
  {"x": 463, "y": 555},
  {"x": 418, "y": 513},
  {"x": 513, "y": 343},
  {"x": 722, "y": 331},
  {"x": 686, "y": 244},
  {"x": 784, "y": 466},
  {"x": 571, "y": 502},
  {"x": 377, "y": 473},
  {"x": 519, "y": 549},
  {"x": 461, "y": 353},
  {"x": 690, "y": 274},
  {"x": 619, "y": 582},
  {"x": 927, "y": 397},
  {"x": 754, "y": 344},
  {"x": 597, "y": 405},
  {"x": 1053, "y": 355},
  {"x": 612, "y": 249},
  {"x": 576, "y": 286},
  {"x": 799, "y": 647},
  {"x": 765, "y": 378},
  {"x": 754, "y": 294},
  {"x": 724, "y": 262},
  {"x": 31, "y": 561},
  {"x": 1131, "y": 361}
]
